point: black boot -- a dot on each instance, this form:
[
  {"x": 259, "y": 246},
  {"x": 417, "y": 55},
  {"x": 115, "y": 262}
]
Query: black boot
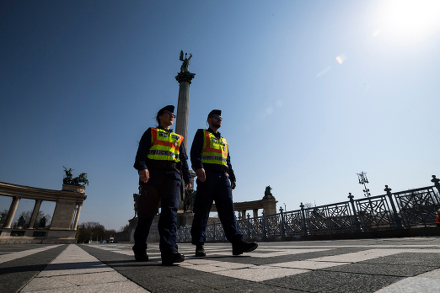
[
  {"x": 200, "y": 250},
  {"x": 141, "y": 257},
  {"x": 240, "y": 246},
  {"x": 172, "y": 258},
  {"x": 140, "y": 254}
]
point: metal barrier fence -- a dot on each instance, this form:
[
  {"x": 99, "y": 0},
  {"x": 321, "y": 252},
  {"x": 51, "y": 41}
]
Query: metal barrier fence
[{"x": 399, "y": 210}]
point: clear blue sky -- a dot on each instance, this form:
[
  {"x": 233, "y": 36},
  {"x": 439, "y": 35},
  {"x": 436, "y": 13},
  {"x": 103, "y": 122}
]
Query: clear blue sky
[{"x": 312, "y": 93}]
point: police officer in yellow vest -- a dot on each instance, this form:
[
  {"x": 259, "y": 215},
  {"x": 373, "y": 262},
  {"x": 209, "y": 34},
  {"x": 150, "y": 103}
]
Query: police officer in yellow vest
[
  {"x": 215, "y": 181},
  {"x": 161, "y": 161}
]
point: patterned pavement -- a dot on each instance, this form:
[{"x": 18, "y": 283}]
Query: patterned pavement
[{"x": 368, "y": 265}]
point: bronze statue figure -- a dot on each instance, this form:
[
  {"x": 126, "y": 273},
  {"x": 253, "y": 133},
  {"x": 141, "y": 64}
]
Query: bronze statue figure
[
  {"x": 188, "y": 203},
  {"x": 268, "y": 189},
  {"x": 185, "y": 64},
  {"x": 82, "y": 178},
  {"x": 68, "y": 178}
]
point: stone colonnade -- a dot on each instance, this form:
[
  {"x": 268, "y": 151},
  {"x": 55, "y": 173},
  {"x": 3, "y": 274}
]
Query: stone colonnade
[
  {"x": 268, "y": 204},
  {"x": 65, "y": 218}
]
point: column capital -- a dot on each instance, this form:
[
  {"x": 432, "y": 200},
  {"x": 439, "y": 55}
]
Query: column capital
[{"x": 185, "y": 77}]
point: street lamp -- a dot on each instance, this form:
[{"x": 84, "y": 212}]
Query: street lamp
[{"x": 362, "y": 177}]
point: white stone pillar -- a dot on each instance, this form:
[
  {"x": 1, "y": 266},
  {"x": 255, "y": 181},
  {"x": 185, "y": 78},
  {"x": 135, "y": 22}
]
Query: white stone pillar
[
  {"x": 243, "y": 214},
  {"x": 35, "y": 213},
  {"x": 256, "y": 213},
  {"x": 184, "y": 79},
  {"x": 11, "y": 212},
  {"x": 75, "y": 224}
]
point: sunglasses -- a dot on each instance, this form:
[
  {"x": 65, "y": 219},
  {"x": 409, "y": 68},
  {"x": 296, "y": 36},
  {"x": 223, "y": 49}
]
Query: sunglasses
[
  {"x": 216, "y": 117},
  {"x": 169, "y": 113}
]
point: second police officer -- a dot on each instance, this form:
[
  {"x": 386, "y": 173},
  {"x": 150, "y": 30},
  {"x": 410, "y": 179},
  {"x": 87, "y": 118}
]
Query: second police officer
[{"x": 215, "y": 181}]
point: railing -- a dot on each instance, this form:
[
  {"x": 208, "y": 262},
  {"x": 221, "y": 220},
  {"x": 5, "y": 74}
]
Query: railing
[{"x": 405, "y": 209}]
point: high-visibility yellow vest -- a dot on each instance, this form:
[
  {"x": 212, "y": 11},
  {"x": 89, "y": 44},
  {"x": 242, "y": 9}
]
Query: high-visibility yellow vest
[
  {"x": 164, "y": 145},
  {"x": 215, "y": 151}
]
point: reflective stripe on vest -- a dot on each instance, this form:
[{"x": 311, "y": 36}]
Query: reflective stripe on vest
[
  {"x": 215, "y": 151},
  {"x": 164, "y": 145}
]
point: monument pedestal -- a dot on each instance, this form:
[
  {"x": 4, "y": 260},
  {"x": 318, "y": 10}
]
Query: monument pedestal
[{"x": 184, "y": 219}]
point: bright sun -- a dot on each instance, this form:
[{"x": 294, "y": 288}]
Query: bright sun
[{"x": 409, "y": 20}]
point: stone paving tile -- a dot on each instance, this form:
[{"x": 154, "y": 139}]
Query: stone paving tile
[
  {"x": 249, "y": 258},
  {"x": 413, "y": 285},
  {"x": 74, "y": 269},
  {"x": 212, "y": 281},
  {"x": 73, "y": 280},
  {"x": 16, "y": 273},
  {"x": 71, "y": 271},
  {"x": 261, "y": 273},
  {"x": 24, "y": 253},
  {"x": 359, "y": 256},
  {"x": 8, "y": 248},
  {"x": 206, "y": 265},
  {"x": 435, "y": 274},
  {"x": 382, "y": 269},
  {"x": 308, "y": 264},
  {"x": 427, "y": 259},
  {"x": 276, "y": 253},
  {"x": 258, "y": 288},
  {"x": 117, "y": 287},
  {"x": 164, "y": 284},
  {"x": 323, "y": 281}
]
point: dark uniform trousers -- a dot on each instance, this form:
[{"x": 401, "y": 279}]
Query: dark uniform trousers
[
  {"x": 163, "y": 186},
  {"x": 216, "y": 187}
]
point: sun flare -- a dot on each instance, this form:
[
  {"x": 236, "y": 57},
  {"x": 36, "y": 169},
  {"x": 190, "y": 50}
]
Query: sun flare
[{"x": 410, "y": 20}]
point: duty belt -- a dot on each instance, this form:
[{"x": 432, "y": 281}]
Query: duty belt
[
  {"x": 215, "y": 167},
  {"x": 156, "y": 164}
]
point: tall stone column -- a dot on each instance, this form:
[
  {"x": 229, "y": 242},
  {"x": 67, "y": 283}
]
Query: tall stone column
[
  {"x": 184, "y": 79},
  {"x": 35, "y": 213},
  {"x": 11, "y": 212}
]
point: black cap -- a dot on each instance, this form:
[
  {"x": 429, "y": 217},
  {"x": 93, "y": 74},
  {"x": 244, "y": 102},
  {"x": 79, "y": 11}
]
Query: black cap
[
  {"x": 166, "y": 108},
  {"x": 215, "y": 112}
]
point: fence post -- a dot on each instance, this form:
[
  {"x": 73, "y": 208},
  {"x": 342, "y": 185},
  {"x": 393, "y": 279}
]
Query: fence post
[
  {"x": 282, "y": 230},
  {"x": 214, "y": 230},
  {"x": 436, "y": 183},
  {"x": 263, "y": 218},
  {"x": 357, "y": 223},
  {"x": 396, "y": 217},
  {"x": 248, "y": 226},
  {"x": 304, "y": 220}
]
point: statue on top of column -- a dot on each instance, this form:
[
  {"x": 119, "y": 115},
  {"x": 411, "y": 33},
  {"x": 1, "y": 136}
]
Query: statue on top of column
[
  {"x": 268, "y": 193},
  {"x": 184, "y": 75},
  {"x": 82, "y": 178},
  {"x": 185, "y": 64}
]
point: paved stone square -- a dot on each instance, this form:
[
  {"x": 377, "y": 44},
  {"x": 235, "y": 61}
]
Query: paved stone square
[{"x": 367, "y": 265}]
